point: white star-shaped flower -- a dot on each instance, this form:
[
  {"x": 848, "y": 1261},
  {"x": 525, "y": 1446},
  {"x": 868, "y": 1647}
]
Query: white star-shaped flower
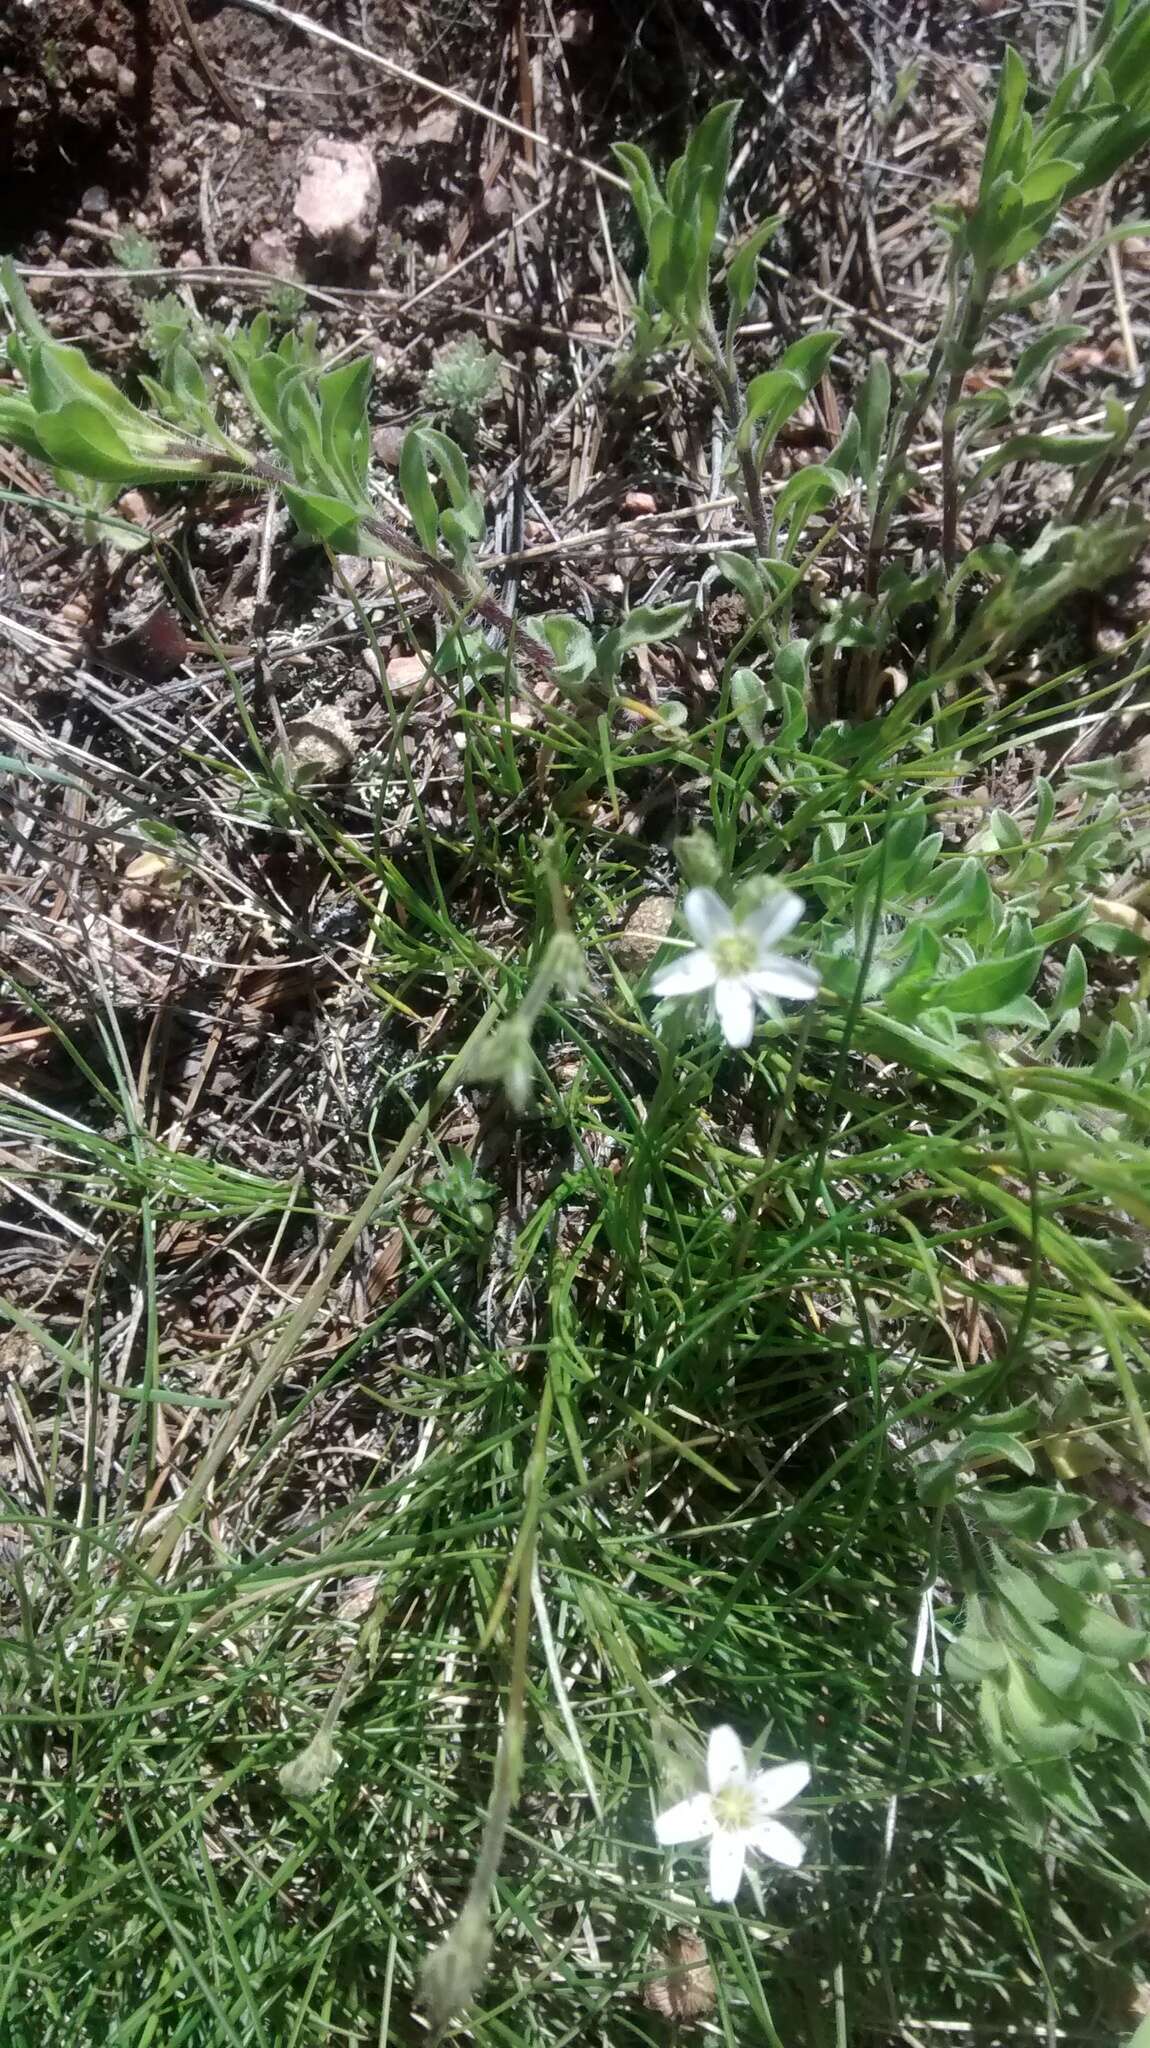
[
  {"x": 736, "y": 960},
  {"x": 736, "y": 1813}
]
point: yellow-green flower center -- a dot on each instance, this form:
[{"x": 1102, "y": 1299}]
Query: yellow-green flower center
[
  {"x": 734, "y": 953},
  {"x": 734, "y": 1808}
]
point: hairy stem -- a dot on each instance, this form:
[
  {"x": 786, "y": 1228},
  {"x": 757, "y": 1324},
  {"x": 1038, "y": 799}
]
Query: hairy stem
[
  {"x": 961, "y": 359},
  {"x": 720, "y": 367},
  {"x": 731, "y": 399}
]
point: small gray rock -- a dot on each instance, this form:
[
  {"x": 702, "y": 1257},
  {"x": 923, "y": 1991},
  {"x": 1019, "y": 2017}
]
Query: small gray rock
[{"x": 337, "y": 199}]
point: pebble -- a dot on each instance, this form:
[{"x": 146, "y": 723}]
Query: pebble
[
  {"x": 404, "y": 672},
  {"x": 337, "y": 198},
  {"x": 125, "y": 82},
  {"x": 272, "y": 254},
  {"x": 644, "y": 930},
  {"x": 102, "y": 63},
  {"x": 388, "y": 445},
  {"x": 134, "y": 506},
  {"x": 496, "y": 205}
]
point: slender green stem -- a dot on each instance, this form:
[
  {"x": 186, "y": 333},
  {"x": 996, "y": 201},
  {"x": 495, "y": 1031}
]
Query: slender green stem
[
  {"x": 732, "y": 401},
  {"x": 961, "y": 358},
  {"x": 720, "y": 367}
]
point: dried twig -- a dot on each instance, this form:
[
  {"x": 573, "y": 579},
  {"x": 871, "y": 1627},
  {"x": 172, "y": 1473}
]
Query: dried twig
[{"x": 211, "y": 75}]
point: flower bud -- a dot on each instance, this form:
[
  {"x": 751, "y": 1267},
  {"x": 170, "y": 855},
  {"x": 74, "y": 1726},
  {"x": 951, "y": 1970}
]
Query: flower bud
[
  {"x": 452, "y": 1973},
  {"x": 508, "y": 1060},
  {"x": 699, "y": 860},
  {"x": 311, "y": 1770}
]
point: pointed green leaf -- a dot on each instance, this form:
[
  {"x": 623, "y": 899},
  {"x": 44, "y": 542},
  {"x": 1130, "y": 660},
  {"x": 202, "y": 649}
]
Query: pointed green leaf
[
  {"x": 873, "y": 413},
  {"x": 972, "y": 1658},
  {"x": 1000, "y": 152},
  {"x": 1024, "y": 1594},
  {"x": 989, "y": 985},
  {"x": 707, "y": 165},
  {"x": 1046, "y": 183},
  {"x": 1065, "y": 451},
  {"x": 790, "y": 669},
  {"x": 743, "y": 272},
  {"x": 648, "y": 623},
  {"x": 1034, "y": 358},
  {"x": 1035, "y": 1718},
  {"x": 964, "y": 897},
  {"x": 1025, "y": 1512},
  {"x": 641, "y": 179},
  {"x": 1107, "y": 1706},
  {"x": 806, "y": 492},
  {"x": 415, "y": 483},
  {"x": 343, "y": 395},
  {"x": 328, "y": 520},
  {"x": 743, "y": 573},
  {"x": 1060, "y": 1672}
]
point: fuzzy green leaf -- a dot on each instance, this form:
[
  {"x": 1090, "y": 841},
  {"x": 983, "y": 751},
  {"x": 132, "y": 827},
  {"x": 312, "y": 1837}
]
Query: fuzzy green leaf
[
  {"x": 570, "y": 642},
  {"x": 973, "y": 1657},
  {"x": 1035, "y": 1718},
  {"x": 329, "y": 520},
  {"x": 749, "y": 703},
  {"x": 1107, "y": 1706},
  {"x": 641, "y": 179},
  {"x": 641, "y": 628},
  {"x": 964, "y": 898},
  {"x": 742, "y": 571},
  {"x": 418, "y": 496},
  {"x": 1001, "y": 152},
  {"x": 743, "y": 272},
  {"x": 989, "y": 985},
  {"x": 873, "y": 409},
  {"x": 807, "y": 492},
  {"x": 1065, "y": 451}
]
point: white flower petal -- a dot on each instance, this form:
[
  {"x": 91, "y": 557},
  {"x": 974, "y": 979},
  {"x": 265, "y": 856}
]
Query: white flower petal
[
  {"x": 735, "y": 1008},
  {"x": 776, "y": 1788},
  {"x": 726, "y": 1764},
  {"x": 689, "y": 1821},
  {"x": 777, "y": 917},
  {"x": 685, "y": 976},
  {"x": 778, "y": 977},
  {"x": 707, "y": 916},
  {"x": 772, "y": 1839},
  {"x": 728, "y": 1855}
]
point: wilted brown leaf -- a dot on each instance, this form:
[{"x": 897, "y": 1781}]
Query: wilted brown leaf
[{"x": 687, "y": 1991}]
